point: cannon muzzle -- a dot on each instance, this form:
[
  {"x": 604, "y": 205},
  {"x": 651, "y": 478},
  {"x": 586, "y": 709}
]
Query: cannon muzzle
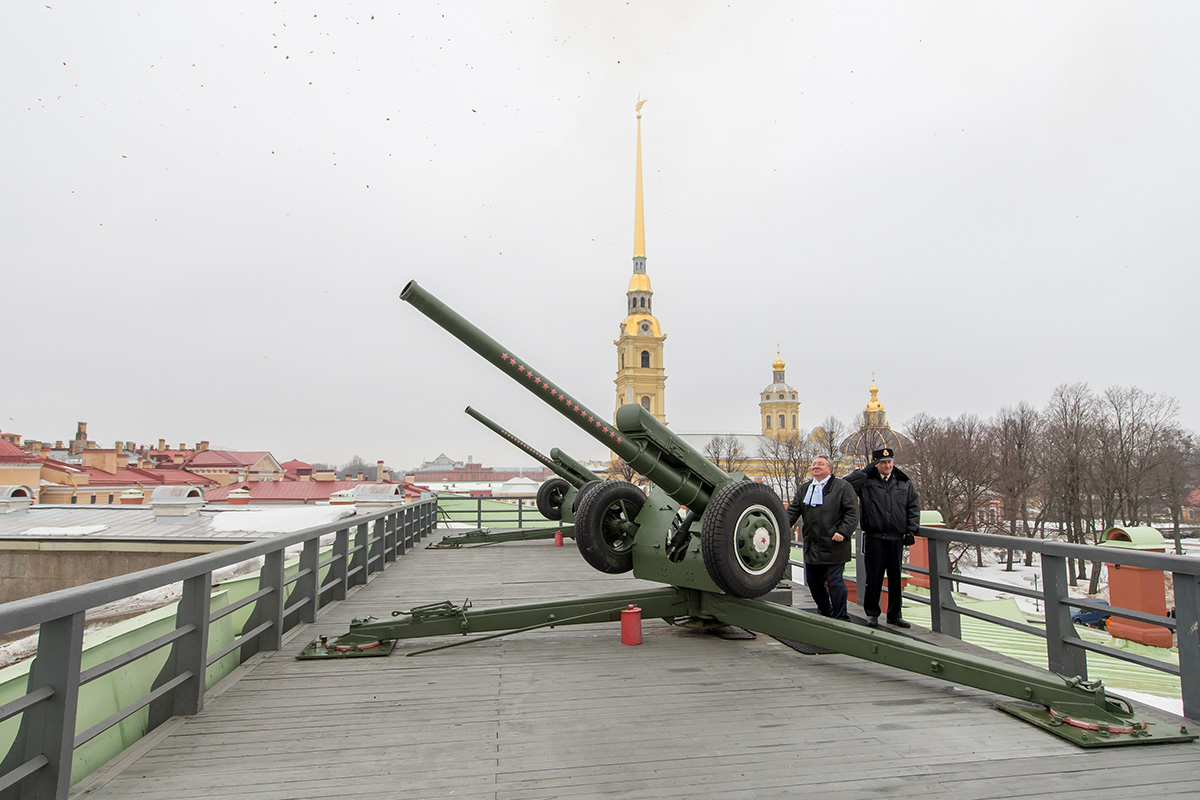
[{"x": 670, "y": 463}]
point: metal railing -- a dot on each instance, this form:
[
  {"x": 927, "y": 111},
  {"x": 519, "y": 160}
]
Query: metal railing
[
  {"x": 487, "y": 512},
  {"x": 1066, "y": 651},
  {"x": 38, "y": 765}
]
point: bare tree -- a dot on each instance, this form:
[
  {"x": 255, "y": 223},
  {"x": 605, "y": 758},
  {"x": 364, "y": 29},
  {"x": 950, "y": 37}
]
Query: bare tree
[
  {"x": 1016, "y": 437},
  {"x": 1178, "y": 478},
  {"x": 727, "y": 453},
  {"x": 827, "y": 438},
  {"x": 619, "y": 468},
  {"x": 1068, "y": 445},
  {"x": 953, "y": 467},
  {"x": 356, "y": 465},
  {"x": 784, "y": 464}
]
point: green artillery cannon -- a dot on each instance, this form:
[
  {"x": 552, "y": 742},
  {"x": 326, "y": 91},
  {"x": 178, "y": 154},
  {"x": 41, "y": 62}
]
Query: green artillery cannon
[
  {"x": 555, "y": 498},
  {"x": 719, "y": 576}
]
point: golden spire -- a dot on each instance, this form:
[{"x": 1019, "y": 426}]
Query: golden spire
[
  {"x": 874, "y": 405},
  {"x": 639, "y": 221}
]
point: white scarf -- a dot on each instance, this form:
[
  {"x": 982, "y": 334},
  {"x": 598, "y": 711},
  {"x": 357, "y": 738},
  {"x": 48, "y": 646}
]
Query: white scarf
[{"x": 816, "y": 493}]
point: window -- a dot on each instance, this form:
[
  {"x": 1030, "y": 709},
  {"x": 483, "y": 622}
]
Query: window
[
  {"x": 645, "y": 402},
  {"x": 92, "y": 499},
  {"x": 643, "y": 302},
  {"x": 645, "y": 358},
  {"x": 793, "y": 422},
  {"x": 74, "y": 499},
  {"x": 781, "y": 425},
  {"x": 110, "y": 499},
  {"x": 768, "y": 422}
]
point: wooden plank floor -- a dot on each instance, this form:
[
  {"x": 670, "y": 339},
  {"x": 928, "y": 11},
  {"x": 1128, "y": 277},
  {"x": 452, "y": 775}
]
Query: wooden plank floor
[{"x": 573, "y": 713}]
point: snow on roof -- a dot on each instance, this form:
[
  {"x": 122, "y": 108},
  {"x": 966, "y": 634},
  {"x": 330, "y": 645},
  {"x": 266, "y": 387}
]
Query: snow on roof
[
  {"x": 73, "y": 530},
  {"x": 248, "y": 519}
]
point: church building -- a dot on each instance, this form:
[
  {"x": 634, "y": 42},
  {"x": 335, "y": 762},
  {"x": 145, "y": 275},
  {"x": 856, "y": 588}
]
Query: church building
[{"x": 641, "y": 376}]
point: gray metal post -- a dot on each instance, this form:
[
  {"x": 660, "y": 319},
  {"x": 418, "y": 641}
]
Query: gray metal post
[
  {"x": 1062, "y": 657},
  {"x": 191, "y": 651},
  {"x": 943, "y": 614},
  {"x": 860, "y": 566},
  {"x": 1187, "y": 628},
  {"x": 340, "y": 567},
  {"x": 378, "y": 549},
  {"x": 360, "y": 554},
  {"x": 308, "y": 586},
  {"x": 51, "y": 728},
  {"x": 403, "y": 530},
  {"x": 270, "y": 607},
  {"x": 389, "y": 537}
]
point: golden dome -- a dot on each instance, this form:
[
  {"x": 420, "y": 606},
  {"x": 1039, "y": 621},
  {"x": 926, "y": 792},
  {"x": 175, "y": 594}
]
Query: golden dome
[
  {"x": 639, "y": 282},
  {"x": 778, "y": 365},
  {"x": 642, "y": 325},
  {"x": 874, "y": 404}
]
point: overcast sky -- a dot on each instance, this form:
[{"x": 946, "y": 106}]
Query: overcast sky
[{"x": 209, "y": 210}]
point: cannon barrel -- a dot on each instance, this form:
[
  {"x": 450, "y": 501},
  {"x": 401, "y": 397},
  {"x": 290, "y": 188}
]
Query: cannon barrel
[
  {"x": 559, "y": 462},
  {"x": 642, "y": 441},
  {"x": 582, "y": 473}
]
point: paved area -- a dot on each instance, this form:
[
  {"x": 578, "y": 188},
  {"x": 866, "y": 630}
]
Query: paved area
[{"x": 573, "y": 713}]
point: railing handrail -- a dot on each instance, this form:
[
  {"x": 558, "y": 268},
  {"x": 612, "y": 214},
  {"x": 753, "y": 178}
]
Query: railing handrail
[
  {"x": 1167, "y": 562},
  {"x": 30, "y": 611}
]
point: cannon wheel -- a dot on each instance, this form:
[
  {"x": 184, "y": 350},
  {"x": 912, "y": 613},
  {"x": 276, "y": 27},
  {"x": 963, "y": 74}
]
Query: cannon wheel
[
  {"x": 744, "y": 539},
  {"x": 550, "y": 498},
  {"x": 584, "y": 491},
  {"x": 604, "y": 525}
]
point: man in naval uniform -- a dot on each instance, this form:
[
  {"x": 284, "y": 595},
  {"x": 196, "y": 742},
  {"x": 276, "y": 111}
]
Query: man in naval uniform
[{"x": 891, "y": 516}]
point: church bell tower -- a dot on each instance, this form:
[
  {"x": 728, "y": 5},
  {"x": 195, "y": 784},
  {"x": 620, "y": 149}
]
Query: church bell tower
[{"x": 641, "y": 377}]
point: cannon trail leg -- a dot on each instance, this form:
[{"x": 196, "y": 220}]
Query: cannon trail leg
[{"x": 1068, "y": 707}]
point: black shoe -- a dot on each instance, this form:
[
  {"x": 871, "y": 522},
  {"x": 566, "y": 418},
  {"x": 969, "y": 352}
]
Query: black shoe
[
  {"x": 900, "y": 623},
  {"x": 872, "y": 622}
]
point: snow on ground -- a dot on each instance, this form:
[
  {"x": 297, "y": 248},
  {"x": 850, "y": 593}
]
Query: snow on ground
[{"x": 1169, "y": 704}]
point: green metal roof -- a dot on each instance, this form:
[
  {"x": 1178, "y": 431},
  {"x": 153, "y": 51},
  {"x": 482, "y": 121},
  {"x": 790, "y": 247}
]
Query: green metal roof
[{"x": 1135, "y": 538}]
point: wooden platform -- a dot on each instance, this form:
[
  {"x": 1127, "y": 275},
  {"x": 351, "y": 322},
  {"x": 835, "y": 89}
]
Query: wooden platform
[{"x": 572, "y": 713}]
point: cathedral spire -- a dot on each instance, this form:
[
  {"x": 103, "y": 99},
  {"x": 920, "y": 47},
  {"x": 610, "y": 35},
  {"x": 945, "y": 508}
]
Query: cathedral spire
[{"x": 639, "y": 219}]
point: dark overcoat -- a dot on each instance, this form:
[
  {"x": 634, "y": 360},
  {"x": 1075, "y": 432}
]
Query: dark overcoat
[
  {"x": 838, "y": 513},
  {"x": 890, "y": 508}
]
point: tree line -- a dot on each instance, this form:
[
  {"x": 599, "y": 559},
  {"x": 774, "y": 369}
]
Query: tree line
[{"x": 1084, "y": 463}]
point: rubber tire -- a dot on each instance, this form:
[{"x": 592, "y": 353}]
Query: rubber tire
[
  {"x": 550, "y": 496},
  {"x": 609, "y": 504},
  {"x": 735, "y": 513},
  {"x": 583, "y": 492}
]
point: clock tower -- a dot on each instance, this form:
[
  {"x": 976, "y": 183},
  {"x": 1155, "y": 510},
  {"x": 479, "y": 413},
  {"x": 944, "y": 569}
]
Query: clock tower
[{"x": 641, "y": 377}]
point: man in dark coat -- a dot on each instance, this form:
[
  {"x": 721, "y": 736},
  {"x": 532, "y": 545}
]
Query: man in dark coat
[
  {"x": 829, "y": 511},
  {"x": 891, "y": 516}
]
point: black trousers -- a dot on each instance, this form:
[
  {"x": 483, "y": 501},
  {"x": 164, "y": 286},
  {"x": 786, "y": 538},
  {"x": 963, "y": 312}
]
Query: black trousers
[
  {"x": 828, "y": 589},
  {"x": 882, "y": 557}
]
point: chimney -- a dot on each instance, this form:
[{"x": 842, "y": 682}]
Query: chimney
[
  {"x": 162, "y": 444},
  {"x": 239, "y": 497},
  {"x": 202, "y": 446},
  {"x": 379, "y": 473},
  {"x": 103, "y": 460},
  {"x": 183, "y": 445},
  {"x": 132, "y": 497},
  {"x": 324, "y": 475},
  {"x": 58, "y": 445}
]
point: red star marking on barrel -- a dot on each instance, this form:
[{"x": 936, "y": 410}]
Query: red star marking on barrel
[
  {"x": 553, "y": 393},
  {"x": 521, "y": 368},
  {"x": 504, "y": 356},
  {"x": 618, "y": 440},
  {"x": 590, "y": 418}
]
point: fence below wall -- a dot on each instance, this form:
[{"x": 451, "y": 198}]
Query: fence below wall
[{"x": 65, "y": 721}]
